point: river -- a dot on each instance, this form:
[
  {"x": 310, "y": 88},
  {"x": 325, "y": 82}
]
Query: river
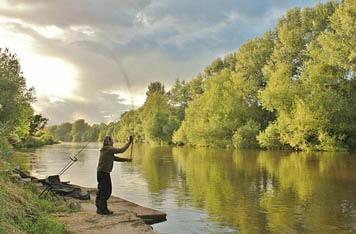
[{"x": 218, "y": 190}]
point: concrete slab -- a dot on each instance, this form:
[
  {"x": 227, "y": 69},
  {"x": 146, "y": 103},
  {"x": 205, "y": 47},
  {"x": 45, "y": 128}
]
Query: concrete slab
[{"x": 128, "y": 217}]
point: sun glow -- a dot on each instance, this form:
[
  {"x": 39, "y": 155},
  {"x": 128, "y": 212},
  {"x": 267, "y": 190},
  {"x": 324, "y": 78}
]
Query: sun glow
[{"x": 51, "y": 77}]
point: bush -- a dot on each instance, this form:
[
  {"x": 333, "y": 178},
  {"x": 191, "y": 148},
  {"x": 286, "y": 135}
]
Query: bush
[
  {"x": 270, "y": 137},
  {"x": 31, "y": 142},
  {"x": 47, "y": 139},
  {"x": 330, "y": 143},
  {"x": 245, "y": 136}
]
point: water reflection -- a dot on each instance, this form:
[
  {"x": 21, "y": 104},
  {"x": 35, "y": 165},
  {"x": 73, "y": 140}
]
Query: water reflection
[{"x": 222, "y": 191}]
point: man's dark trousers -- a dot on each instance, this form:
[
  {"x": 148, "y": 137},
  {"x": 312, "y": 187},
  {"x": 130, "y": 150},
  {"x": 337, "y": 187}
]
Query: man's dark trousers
[{"x": 104, "y": 190}]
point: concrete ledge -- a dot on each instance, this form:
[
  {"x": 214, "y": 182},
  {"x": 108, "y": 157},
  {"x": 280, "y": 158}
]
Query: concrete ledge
[{"x": 128, "y": 217}]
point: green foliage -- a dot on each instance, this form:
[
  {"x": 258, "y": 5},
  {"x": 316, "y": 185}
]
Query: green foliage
[
  {"x": 37, "y": 123},
  {"x": 215, "y": 67},
  {"x": 270, "y": 137},
  {"x": 156, "y": 122},
  {"x": 310, "y": 80},
  {"x": 245, "y": 136},
  {"x": 46, "y": 225},
  {"x": 155, "y": 87},
  {"x": 128, "y": 125},
  {"x": 180, "y": 135},
  {"x": 230, "y": 97},
  {"x": 210, "y": 117},
  {"x": 179, "y": 97},
  {"x": 16, "y": 111},
  {"x": 79, "y": 129},
  {"x": 196, "y": 87},
  {"x": 339, "y": 43},
  {"x": 62, "y": 132},
  {"x": 48, "y": 139},
  {"x": 5, "y": 147},
  {"x": 23, "y": 211},
  {"x": 15, "y": 98}
]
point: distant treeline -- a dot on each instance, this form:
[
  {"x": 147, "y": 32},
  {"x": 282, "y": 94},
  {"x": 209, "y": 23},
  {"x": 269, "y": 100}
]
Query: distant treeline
[{"x": 293, "y": 88}]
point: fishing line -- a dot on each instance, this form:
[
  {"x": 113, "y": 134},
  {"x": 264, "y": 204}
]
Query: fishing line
[
  {"x": 104, "y": 51},
  {"x": 126, "y": 77}
]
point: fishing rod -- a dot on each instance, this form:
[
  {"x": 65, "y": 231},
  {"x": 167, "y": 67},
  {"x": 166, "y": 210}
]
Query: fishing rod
[
  {"x": 129, "y": 89},
  {"x": 72, "y": 160},
  {"x": 131, "y": 149},
  {"x": 133, "y": 127},
  {"x": 107, "y": 53}
]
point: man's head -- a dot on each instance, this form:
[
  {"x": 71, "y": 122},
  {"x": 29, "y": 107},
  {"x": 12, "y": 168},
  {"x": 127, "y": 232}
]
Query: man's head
[{"x": 108, "y": 141}]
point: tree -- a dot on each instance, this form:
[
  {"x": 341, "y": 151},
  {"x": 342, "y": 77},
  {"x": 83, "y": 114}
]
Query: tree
[
  {"x": 128, "y": 126},
  {"x": 79, "y": 128},
  {"x": 155, "y": 87},
  {"x": 156, "y": 122},
  {"x": 287, "y": 92},
  {"x": 270, "y": 137},
  {"x": 92, "y": 133},
  {"x": 245, "y": 136},
  {"x": 196, "y": 87},
  {"x": 63, "y": 132},
  {"x": 283, "y": 70},
  {"x": 210, "y": 118},
  {"x": 216, "y": 66},
  {"x": 338, "y": 42},
  {"x": 326, "y": 112},
  {"x": 220, "y": 114},
  {"x": 179, "y": 97},
  {"x": 179, "y": 94},
  {"x": 249, "y": 80},
  {"x": 15, "y": 98},
  {"x": 38, "y": 122}
]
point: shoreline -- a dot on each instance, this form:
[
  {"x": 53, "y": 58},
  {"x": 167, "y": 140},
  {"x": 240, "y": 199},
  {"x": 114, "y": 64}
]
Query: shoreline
[{"x": 128, "y": 217}]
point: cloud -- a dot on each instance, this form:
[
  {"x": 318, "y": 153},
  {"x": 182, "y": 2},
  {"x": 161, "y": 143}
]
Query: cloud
[
  {"x": 102, "y": 108},
  {"x": 118, "y": 47}
]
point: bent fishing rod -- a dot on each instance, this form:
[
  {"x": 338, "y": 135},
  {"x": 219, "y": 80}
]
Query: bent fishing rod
[
  {"x": 72, "y": 160},
  {"x": 126, "y": 77},
  {"x": 132, "y": 146},
  {"x": 131, "y": 150},
  {"x": 133, "y": 126},
  {"x": 109, "y": 54}
]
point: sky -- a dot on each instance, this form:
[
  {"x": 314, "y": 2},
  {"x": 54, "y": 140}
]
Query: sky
[{"x": 93, "y": 60}]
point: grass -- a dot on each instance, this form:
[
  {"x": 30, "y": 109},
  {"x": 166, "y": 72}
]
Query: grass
[{"x": 22, "y": 211}]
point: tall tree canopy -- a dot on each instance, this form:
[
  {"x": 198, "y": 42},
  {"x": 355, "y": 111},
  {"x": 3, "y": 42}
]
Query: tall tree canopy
[{"x": 15, "y": 97}]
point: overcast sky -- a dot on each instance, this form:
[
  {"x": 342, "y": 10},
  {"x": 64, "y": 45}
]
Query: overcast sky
[{"x": 93, "y": 59}]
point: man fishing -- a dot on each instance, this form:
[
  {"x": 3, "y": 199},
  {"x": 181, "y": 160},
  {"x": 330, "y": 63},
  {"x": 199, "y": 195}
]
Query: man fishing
[{"x": 105, "y": 165}]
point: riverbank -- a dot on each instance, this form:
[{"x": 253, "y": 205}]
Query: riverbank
[
  {"x": 128, "y": 217},
  {"x": 26, "y": 212},
  {"x": 22, "y": 211}
]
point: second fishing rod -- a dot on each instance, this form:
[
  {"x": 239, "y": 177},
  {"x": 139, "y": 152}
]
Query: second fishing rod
[{"x": 72, "y": 160}]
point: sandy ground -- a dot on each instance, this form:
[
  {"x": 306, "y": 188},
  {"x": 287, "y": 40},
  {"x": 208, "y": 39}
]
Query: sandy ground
[{"x": 128, "y": 217}]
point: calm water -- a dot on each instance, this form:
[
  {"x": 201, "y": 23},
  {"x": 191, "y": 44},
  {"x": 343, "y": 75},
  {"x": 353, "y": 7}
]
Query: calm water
[{"x": 222, "y": 191}]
